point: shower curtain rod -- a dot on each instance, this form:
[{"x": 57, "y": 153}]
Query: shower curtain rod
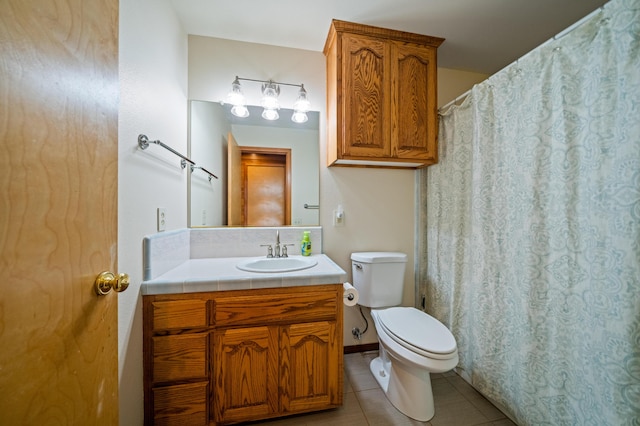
[{"x": 555, "y": 37}]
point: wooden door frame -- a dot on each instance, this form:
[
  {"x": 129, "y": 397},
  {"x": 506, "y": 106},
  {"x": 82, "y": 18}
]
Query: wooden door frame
[{"x": 284, "y": 152}]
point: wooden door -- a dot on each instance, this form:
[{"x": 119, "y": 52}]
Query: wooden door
[
  {"x": 58, "y": 211},
  {"x": 264, "y": 191},
  {"x": 266, "y": 186}
]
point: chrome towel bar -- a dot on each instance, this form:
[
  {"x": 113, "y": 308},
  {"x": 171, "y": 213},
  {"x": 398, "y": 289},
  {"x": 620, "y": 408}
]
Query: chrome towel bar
[{"x": 143, "y": 143}]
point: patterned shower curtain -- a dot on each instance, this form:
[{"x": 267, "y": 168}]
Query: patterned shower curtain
[{"x": 533, "y": 228}]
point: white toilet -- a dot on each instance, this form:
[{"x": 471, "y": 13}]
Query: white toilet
[{"x": 412, "y": 343}]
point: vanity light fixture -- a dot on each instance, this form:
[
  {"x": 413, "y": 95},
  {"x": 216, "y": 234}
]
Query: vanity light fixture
[
  {"x": 237, "y": 99},
  {"x": 269, "y": 101},
  {"x": 301, "y": 106}
]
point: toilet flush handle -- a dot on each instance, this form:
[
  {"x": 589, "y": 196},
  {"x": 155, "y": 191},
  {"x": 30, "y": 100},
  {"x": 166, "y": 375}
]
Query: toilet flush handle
[{"x": 357, "y": 265}]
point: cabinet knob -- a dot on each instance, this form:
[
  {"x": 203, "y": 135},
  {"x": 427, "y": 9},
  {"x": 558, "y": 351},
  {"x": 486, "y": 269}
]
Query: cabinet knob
[{"x": 107, "y": 281}]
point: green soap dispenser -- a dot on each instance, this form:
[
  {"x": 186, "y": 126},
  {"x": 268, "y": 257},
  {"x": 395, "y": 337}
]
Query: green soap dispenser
[{"x": 305, "y": 245}]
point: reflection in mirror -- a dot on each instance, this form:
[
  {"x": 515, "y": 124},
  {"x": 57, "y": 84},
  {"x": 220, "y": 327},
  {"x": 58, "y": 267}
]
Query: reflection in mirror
[{"x": 280, "y": 152}]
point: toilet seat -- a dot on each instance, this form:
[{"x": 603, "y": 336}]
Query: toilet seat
[{"x": 418, "y": 332}]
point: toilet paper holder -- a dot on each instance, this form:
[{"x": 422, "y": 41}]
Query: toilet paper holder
[{"x": 350, "y": 294}]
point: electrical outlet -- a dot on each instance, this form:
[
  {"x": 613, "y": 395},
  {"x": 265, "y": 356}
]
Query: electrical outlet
[{"x": 162, "y": 219}]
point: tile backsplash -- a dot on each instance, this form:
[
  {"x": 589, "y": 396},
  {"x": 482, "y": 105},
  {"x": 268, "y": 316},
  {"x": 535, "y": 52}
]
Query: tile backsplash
[
  {"x": 166, "y": 250},
  {"x": 233, "y": 242}
]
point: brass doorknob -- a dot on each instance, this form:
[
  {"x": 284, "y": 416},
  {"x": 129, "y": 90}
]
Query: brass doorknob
[{"x": 107, "y": 281}]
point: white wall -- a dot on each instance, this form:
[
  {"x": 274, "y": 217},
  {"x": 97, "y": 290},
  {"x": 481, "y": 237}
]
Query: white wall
[
  {"x": 453, "y": 83},
  {"x": 153, "y": 100},
  {"x": 208, "y": 133}
]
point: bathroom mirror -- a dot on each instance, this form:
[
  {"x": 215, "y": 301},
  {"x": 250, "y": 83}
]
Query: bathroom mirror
[{"x": 212, "y": 202}]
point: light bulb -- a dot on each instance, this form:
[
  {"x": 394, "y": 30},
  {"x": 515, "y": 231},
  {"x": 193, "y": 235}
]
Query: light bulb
[
  {"x": 299, "y": 117},
  {"x": 302, "y": 104},
  {"x": 270, "y": 94},
  {"x": 235, "y": 96},
  {"x": 270, "y": 114},
  {"x": 240, "y": 111}
]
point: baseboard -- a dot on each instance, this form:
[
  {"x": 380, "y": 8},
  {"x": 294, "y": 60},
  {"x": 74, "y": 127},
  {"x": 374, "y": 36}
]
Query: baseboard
[{"x": 361, "y": 348}]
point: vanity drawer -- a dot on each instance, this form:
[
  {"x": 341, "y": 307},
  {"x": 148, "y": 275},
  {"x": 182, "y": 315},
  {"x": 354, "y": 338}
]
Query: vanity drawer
[
  {"x": 173, "y": 314},
  {"x": 180, "y": 357},
  {"x": 283, "y": 307},
  {"x": 181, "y": 405}
]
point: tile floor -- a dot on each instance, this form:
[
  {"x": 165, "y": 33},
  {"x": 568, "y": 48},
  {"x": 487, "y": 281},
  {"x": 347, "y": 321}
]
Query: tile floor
[{"x": 456, "y": 403}]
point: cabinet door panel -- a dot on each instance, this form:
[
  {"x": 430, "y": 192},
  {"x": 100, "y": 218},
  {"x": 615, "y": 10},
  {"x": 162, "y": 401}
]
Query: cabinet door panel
[
  {"x": 181, "y": 405},
  {"x": 365, "y": 87},
  {"x": 245, "y": 373},
  {"x": 260, "y": 309},
  {"x": 174, "y": 314},
  {"x": 311, "y": 362},
  {"x": 414, "y": 102},
  {"x": 180, "y": 357}
]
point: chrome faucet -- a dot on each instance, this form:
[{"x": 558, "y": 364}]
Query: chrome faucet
[
  {"x": 279, "y": 250},
  {"x": 277, "y": 247}
]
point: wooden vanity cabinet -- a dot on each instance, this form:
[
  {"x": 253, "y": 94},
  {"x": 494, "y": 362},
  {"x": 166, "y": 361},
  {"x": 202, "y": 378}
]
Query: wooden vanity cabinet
[
  {"x": 381, "y": 97},
  {"x": 233, "y": 356}
]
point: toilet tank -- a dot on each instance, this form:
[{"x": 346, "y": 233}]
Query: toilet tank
[{"x": 378, "y": 277}]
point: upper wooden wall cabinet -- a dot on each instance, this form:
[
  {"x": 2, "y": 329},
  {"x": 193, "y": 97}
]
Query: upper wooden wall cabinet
[{"x": 381, "y": 97}]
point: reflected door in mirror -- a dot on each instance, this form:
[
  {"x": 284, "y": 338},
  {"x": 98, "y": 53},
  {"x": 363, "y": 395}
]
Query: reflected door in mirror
[{"x": 265, "y": 189}]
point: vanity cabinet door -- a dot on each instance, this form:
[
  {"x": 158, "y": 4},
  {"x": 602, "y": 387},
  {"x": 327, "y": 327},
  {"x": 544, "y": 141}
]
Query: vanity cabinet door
[
  {"x": 181, "y": 405},
  {"x": 310, "y": 367},
  {"x": 180, "y": 390},
  {"x": 245, "y": 373},
  {"x": 171, "y": 314},
  {"x": 180, "y": 357}
]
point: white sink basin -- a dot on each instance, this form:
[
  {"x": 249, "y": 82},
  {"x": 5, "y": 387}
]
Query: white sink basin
[{"x": 280, "y": 264}]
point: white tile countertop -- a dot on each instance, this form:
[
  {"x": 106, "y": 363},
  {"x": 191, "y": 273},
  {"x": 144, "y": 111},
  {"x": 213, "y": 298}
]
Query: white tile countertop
[{"x": 221, "y": 273}]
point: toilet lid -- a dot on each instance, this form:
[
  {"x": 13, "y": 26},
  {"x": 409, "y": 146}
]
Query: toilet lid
[{"x": 412, "y": 327}]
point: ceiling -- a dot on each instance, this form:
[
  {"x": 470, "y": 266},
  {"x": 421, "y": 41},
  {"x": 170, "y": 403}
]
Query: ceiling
[{"x": 481, "y": 35}]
